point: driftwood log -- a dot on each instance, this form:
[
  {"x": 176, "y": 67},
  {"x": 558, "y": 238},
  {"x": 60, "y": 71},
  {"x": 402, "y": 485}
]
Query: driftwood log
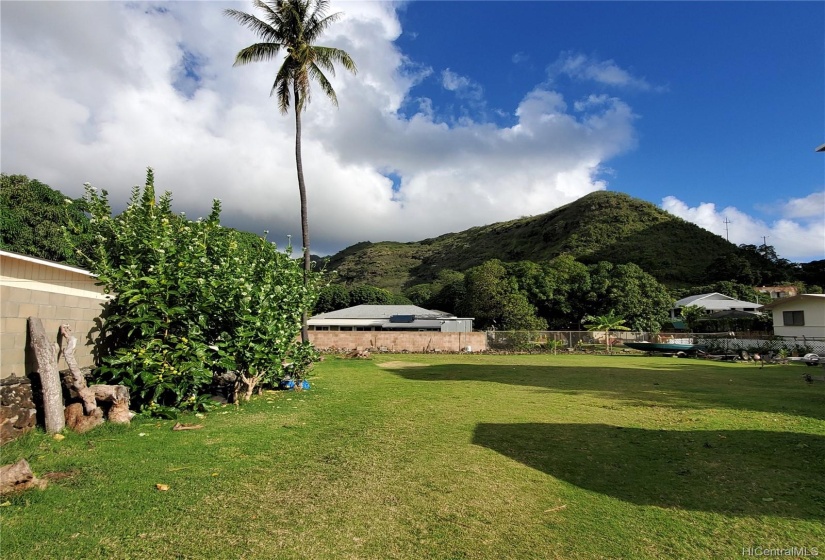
[
  {"x": 118, "y": 396},
  {"x": 78, "y": 381},
  {"x": 45, "y": 355},
  {"x": 18, "y": 477},
  {"x": 82, "y": 416},
  {"x": 78, "y": 421}
]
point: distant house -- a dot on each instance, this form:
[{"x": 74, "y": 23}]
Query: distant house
[
  {"x": 777, "y": 292},
  {"x": 389, "y": 318},
  {"x": 801, "y": 315},
  {"x": 714, "y": 303}
]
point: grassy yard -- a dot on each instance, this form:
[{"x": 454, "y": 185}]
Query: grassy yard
[{"x": 450, "y": 457}]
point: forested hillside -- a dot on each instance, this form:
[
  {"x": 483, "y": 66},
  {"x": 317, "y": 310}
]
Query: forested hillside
[{"x": 602, "y": 226}]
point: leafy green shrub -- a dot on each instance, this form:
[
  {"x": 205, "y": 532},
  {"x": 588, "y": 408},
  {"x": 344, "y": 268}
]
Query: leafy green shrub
[{"x": 189, "y": 299}]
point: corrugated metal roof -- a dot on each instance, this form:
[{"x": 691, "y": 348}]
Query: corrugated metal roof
[
  {"x": 716, "y": 302},
  {"x": 690, "y": 300},
  {"x": 381, "y": 312}
]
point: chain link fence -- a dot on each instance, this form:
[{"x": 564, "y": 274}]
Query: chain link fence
[{"x": 555, "y": 342}]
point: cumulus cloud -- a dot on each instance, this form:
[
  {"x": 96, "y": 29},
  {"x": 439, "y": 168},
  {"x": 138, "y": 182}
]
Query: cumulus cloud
[
  {"x": 153, "y": 84},
  {"x": 799, "y": 240}
]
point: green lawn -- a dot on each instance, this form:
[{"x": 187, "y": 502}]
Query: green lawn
[{"x": 450, "y": 457}]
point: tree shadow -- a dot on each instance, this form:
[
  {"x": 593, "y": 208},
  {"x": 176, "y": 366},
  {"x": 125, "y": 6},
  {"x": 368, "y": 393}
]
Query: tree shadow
[
  {"x": 681, "y": 384},
  {"x": 734, "y": 472}
]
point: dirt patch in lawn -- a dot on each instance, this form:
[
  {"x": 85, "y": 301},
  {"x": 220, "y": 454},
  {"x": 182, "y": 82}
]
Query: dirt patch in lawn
[{"x": 400, "y": 365}]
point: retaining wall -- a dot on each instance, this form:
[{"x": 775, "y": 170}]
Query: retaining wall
[{"x": 399, "y": 341}]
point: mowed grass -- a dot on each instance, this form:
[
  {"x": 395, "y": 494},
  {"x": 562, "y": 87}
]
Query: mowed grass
[{"x": 450, "y": 457}]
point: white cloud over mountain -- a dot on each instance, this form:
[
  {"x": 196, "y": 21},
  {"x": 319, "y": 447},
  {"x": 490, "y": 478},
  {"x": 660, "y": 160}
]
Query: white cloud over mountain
[{"x": 796, "y": 239}]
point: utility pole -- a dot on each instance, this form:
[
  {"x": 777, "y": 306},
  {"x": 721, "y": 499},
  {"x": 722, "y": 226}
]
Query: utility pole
[{"x": 727, "y": 221}]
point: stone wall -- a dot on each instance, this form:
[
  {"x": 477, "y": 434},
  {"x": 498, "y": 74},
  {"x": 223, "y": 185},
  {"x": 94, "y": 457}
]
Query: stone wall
[
  {"x": 394, "y": 341},
  {"x": 18, "y": 413}
]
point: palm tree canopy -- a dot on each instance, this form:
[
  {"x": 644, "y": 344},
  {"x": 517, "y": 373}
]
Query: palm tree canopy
[
  {"x": 292, "y": 27},
  {"x": 609, "y": 322}
]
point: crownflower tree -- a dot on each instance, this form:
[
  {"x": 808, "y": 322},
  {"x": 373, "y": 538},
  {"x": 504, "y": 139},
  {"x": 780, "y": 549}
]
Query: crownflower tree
[{"x": 292, "y": 27}]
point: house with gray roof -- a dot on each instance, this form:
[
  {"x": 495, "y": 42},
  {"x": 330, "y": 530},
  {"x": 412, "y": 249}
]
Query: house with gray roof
[
  {"x": 715, "y": 304},
  {"x": 389, "y": 318}
]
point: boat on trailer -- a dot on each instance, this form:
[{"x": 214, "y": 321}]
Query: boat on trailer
[{"x": 663, "y": 347}]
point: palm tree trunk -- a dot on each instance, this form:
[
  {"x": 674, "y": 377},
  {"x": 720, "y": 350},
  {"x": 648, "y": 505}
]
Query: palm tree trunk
[{"x": 302, "y": 191}]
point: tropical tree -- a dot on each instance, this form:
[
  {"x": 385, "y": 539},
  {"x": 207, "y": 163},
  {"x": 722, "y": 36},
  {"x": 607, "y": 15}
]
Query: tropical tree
[
  {"x": 332, "y": 298},
  {"x": 190, "y": 300},
  {"x": 606, "y": 323},
  {"x": 293, "y": 26},
  {"x": 494, "y": 300},
  {"x": 691, "y": 315},
  {"x": 34, "y": 219}
]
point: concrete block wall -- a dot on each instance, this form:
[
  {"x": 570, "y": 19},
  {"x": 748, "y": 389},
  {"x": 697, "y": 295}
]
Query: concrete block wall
[
  {"x": 395, "y": 341},
  {"x": 56, "y": 294}
]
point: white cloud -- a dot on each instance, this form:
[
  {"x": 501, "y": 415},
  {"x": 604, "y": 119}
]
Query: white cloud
[
  {"x": 100, "y": 105},
  {"x": 607, "y": 72},
  {"x": 798, "y": 240},
  {"x": 520, "y": 57},
  {"x": 461, "y": 85},
  {"x": 811, "y": 206}
]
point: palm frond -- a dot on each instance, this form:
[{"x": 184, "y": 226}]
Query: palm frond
[
  {"x": 326, "y": 57},
  {"x": 281, "y": 87},
  {"x": 326, "y": 87},
  {"x": 258, "y": 52},
  {"x": 316, "y": 27},
  {"x": 259, "y": 27}
]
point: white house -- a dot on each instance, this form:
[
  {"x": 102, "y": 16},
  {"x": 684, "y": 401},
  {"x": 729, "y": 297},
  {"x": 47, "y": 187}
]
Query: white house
[
  {"x": 714, "y": 303},
  {"x": 802, "y": 315},
  {"x": 389, "y": 318}
]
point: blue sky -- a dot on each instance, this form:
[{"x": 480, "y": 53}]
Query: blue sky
[
  {"x": 462, "y": 113},
  {"x": 729, "y": 96}
]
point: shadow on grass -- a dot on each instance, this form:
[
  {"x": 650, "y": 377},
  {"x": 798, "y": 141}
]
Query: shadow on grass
[
  {"x": 682, "y": 384},
  {"x": 737, "y": 472}
]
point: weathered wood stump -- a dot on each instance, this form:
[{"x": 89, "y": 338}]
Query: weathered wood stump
[
  {"x": 82, "y": 416},
  {"x": 18, "y": 477},
  {"x": 45, "y": 355},
  {"x": 78, "y": 421},
  {"x": 77, "y": 380},
  {"x": 118, "y": 396}
]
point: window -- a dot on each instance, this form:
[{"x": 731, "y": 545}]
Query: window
[
  {"x": 793, "y": 318},
  {"x": 346, "y": 328},
  {"x": 321, "y": 328}
]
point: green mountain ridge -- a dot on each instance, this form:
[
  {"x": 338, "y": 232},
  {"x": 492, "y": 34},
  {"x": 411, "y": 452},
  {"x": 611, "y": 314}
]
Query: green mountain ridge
[{"x": 601, "y": 226}]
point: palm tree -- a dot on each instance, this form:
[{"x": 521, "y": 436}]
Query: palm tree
[
  {"x": 606, "y": 323},
  {"x": 293, "y": 26}
]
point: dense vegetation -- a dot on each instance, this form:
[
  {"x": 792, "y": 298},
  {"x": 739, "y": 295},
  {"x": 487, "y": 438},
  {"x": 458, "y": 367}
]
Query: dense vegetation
[
  {"x": 477, "y": 273},
  {"x": 602, "y": 226},
  {"x": 191, "y": 300},
  {"x": 33, "y": 217}
]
